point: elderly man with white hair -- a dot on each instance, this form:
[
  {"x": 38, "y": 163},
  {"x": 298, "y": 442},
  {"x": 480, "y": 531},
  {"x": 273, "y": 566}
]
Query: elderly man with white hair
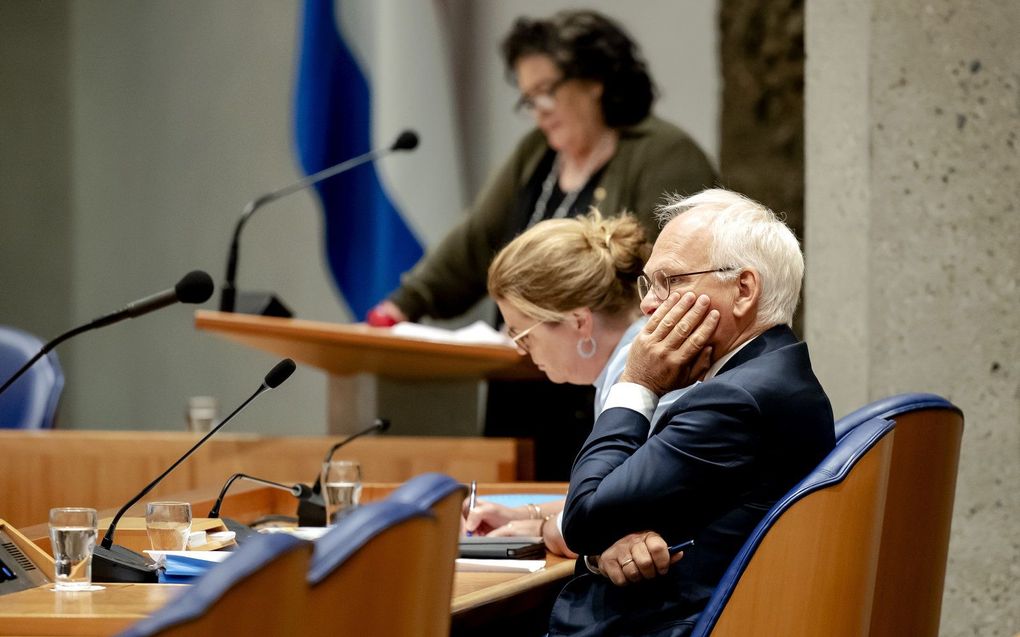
[{"x": 720, "y": 287}]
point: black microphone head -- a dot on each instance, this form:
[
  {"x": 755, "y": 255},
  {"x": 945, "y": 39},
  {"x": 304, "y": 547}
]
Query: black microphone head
[
  {"x": 407, "y": 140},
  {"x": 303, "y": 491},
  {"x": 382, "y": 424},
  {"x": 195, "y": 287},
  {"x": 280, "y": 373}
]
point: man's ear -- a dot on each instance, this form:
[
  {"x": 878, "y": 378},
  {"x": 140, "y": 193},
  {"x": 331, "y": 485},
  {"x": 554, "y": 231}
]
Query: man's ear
[
  {"x": 582, "y": 320},
  {"x": 748, "y": 292}
]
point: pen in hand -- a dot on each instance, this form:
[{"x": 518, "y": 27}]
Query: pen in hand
[
  {"x": 676, "y": 548},
  {"x": 472, "y": 497}
]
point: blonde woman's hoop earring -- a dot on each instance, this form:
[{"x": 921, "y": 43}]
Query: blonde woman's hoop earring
[{"x": 584, "y": 350}]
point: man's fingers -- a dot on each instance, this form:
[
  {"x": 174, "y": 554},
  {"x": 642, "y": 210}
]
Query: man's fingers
[
  {"x": 658, "y": 553},
  {"x": 632, "y": 572},
  {"x": 643, "y": 560},
  {"x": 686, "y": 322},
  {"x": 614, "y": 572},
  {"x": 660, "y": 323}
]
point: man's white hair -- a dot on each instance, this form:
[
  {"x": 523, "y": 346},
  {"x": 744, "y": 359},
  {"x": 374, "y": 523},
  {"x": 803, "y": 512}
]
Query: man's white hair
[{"x": 746, "y": 234}]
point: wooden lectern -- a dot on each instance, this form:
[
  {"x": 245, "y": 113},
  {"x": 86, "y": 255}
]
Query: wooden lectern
[{"x": 421, "y": 386}]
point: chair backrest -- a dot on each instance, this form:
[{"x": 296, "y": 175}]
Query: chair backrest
[
  {"x": 918, "y": 512},
  {"x": 367, "y": 571},
  {"x": 809, "y": 566},
  {"x": 258, "y": 591},
  {"x": 444, "y": 496},
  {"x": 890, "y": 408},
  {"x": 31, "y": 402}
]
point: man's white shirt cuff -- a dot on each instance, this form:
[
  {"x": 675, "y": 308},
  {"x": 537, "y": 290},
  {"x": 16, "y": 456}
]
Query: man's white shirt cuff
[{"x": 634, "y": 397}]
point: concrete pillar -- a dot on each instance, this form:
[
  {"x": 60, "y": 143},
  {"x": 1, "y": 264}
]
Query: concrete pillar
[{"x": 913, "y": 260}]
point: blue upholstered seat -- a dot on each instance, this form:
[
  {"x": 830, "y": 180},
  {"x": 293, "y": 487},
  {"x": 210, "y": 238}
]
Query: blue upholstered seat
[
  {"x": 833, "y": 470},
  {"x": 210, "y": 588},
  {"x": 354, "y": 531},
  {"x": 425, "y": 490},
  {"x": 31, "y": 402},
  {"x": 891, "y": 407}
]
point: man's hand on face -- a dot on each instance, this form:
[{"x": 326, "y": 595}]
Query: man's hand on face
[{"x": 670, "y": 351}]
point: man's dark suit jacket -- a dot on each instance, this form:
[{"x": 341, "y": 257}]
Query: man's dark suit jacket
[{"x": 725, "y": 452}]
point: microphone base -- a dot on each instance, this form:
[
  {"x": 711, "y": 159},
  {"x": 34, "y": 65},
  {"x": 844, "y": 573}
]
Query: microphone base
[
  {"x": 312, "y": 512},
  {"x": 261, "y": 304},
  {"x": 242, "y": 532},
  {"x": 121, "y": 565}
]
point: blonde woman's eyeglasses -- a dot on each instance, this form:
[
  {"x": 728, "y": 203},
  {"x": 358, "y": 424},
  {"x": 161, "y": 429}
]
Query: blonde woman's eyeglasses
[{"x": 520, "y": 339}]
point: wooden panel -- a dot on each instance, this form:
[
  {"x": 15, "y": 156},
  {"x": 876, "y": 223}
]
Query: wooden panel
[
  {"x": 351, "y": 349},
  {"x": 814, "y": 572},
  {"x": 103, "y": 469},
  {"x": 915, "y": 534}
]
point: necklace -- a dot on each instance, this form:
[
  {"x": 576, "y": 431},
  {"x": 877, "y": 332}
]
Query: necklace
[{"x": 569, "y": 197}]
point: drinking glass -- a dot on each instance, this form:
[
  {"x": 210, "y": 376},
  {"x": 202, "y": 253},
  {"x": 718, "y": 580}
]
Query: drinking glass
[
  {"x": 73, "y": 535},
  {"x": 168, "y": 525},
  {"x": 341, "y": 488}
]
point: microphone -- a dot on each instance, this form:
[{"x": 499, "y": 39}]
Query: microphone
[
  {"x": 112, "y": 563},
  {"x": 300, "y": 491},
  {"x": 195, "y": 287},
  {"x": 264, "y": 303},
  {"x": 243, "y": 532},
  {"x": 312, "y": 510}
]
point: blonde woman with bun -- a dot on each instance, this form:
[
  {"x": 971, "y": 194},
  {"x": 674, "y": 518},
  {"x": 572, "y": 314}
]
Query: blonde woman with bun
[{"x": 567, "y": 289}]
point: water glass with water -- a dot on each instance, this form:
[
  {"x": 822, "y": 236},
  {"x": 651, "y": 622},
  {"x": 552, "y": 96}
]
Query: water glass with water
[
  {"x": 168, "y": 525},
  {"x": 341, "y": 488},
  {"x": 73, "y": 535}
]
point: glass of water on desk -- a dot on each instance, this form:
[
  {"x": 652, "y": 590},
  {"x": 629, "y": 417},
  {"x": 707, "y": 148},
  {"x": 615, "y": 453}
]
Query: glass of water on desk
[
  {"x": 341, "y": 488},
  {"x": 73, "y": 535},
  {"x": 168, "y": 525}
]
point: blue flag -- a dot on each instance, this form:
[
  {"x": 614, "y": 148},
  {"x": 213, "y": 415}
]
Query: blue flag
[{"x": 372, "y": 234}]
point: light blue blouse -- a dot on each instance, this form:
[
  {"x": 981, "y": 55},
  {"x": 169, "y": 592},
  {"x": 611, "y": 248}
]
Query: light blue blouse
[{"x": 614, "y": 369}]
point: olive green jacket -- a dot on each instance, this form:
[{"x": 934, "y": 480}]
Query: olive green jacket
[{"x": 653, "y": 158}]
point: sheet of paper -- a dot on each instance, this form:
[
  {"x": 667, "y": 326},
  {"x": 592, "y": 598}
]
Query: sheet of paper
[
  {"x": 471, "y": 565},
  {"x": 310, "y": 533},
  {"x": 478, "y": 332}
]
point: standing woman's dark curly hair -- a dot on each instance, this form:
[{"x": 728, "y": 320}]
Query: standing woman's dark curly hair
[{"x": 587, "y": 45}]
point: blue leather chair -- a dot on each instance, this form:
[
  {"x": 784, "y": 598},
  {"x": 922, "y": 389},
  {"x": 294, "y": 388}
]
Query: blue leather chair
[
  {"x": 809, "y": 566},
  {"x": 918, "y": 511},
  {"x": 31, "y": 402},
  {"x": 257, "y": 591},
  {"x": 444, "y": 497},
  {"x": 368, "y": 572},
  {"x": 890, "y": 408}
]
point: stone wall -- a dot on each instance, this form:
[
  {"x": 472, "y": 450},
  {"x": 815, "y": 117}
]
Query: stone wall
[{"x": 912, "y": 118}]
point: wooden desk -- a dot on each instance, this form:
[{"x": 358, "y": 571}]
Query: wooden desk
[{"x": 478, "y": 598}]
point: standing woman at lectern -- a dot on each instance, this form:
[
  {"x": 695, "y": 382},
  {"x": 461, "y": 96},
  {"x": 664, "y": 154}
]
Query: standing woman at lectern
[{"x": 596, "y": 143}]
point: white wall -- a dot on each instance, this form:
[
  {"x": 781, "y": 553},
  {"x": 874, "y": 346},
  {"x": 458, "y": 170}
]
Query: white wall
[{"x": 178, "y": 112}]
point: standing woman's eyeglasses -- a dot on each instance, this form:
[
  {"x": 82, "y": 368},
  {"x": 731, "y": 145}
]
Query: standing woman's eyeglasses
[{"x": 543, "y": 99}]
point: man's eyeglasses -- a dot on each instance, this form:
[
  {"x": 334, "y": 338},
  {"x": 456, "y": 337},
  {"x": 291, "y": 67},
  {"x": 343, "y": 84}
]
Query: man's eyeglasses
[
  {"x": 520, "y": 340},
  {"x": 660, "y": 283},
  {"x": 543, "y": 99}
]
